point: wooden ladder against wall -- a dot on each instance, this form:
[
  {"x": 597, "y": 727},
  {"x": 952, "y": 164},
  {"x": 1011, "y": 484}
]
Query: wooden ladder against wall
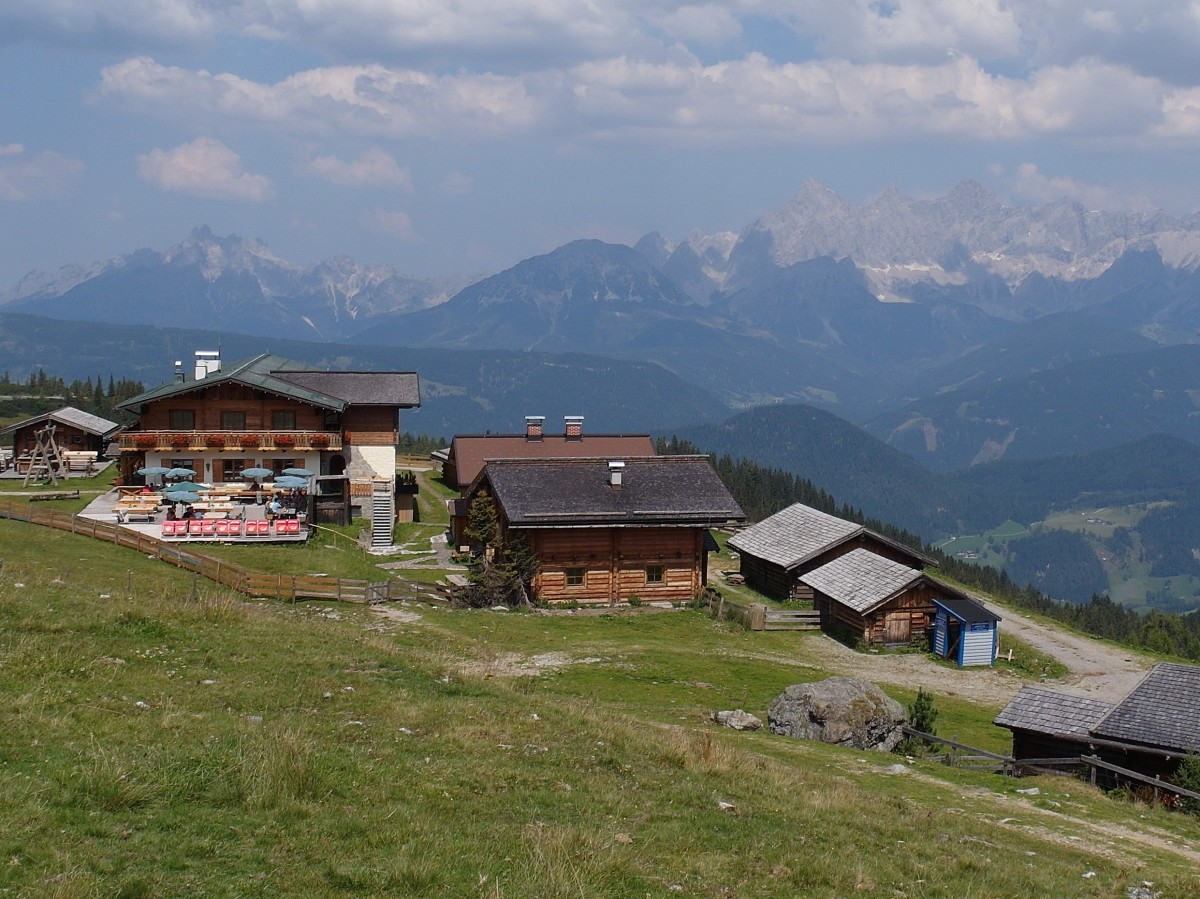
[{"x": 383, "y": 511}]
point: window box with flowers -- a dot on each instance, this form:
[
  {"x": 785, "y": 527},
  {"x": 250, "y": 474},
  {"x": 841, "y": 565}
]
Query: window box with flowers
[
  {"x": 248, "y": 440},
  {"x": 285, "y": 440},
  {"x": 216, "y": 441},
  {"x": 180, "y": 441},
  {"x": 319, "y": 441},
  {"x": 145, "y": 441}
]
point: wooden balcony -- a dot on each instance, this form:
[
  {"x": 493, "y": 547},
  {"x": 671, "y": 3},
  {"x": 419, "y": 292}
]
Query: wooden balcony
[{"x": 232, "y": 442}]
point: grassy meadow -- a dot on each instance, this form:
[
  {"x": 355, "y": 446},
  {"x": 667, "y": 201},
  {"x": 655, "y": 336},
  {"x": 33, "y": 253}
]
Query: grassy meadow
[{"x": 162, "y": 738}]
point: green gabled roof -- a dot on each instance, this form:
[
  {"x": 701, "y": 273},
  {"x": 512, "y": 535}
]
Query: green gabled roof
[{"x": 257, "y": 373}]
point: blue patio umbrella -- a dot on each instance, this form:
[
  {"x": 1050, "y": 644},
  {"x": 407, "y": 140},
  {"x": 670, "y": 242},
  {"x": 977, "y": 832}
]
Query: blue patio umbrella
[
  {"x": 183, "y": 496},
  {"x": 289, "y": 483},
  {"x": 297, "y": 473},
  {"x": 181, "y": 473},
  {"x": 185, "y": 487},
  {"x": 257, "y": 473},
  {"x": 153, "y": 472}
]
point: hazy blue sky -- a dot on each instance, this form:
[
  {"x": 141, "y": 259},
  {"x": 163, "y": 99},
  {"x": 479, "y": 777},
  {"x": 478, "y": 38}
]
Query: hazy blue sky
[{"x": 462, "y": 136}]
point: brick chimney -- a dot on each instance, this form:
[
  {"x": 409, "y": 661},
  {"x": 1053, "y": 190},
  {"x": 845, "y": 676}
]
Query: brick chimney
[
  {"x": 573, "y": 427},
  {"x": 533, "y": 426},
  {"x": 616, "y": 471}
]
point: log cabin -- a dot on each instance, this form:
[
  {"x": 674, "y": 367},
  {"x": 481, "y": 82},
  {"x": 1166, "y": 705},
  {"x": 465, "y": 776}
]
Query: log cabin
[
  {"x": 1150, "y": 731},
  {"x": 76, "y": 432},
  {"x": 775, "y": 553},
  {"x": 606, "y": 531}
]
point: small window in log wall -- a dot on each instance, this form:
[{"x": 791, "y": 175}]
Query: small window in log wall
[
  {"x": 654, "y": 574},
  {"x": 575, "y": 577}
]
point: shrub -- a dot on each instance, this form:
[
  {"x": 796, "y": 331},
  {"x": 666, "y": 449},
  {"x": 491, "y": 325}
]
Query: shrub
[{"x": 1187, "y": 775}]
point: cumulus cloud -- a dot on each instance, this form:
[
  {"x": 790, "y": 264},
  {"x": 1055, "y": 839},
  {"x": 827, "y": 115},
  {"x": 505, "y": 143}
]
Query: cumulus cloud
[
  {"x": 390, "y": 222},
  {"x": 204, "y": 168},
  {"x": 830, "y": 101},
  {"x": 44, "y": 176},
  {"x": 163, "y": 23},
  {"x": 374, "y": 168},
  {"x": 364, "y": 100},
  {"x": 1030, "y": 184}
]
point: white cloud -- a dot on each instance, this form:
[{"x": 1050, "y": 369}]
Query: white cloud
[
  {"x": 390, "y": 222},
  {"x": 362, "y": 100},
  {"x": 456, "y": 184},
  {"x": 753, "y": 98},
  {"x": 1030, "y": 184},
  {"x": 374, "y": 168},
  {"x": 46, "y": 176},
  {"x": 204, "y": 168},
  {"x": 111, "y": 24}
]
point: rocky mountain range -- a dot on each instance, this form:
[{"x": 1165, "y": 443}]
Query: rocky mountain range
[{"x": 899, "y": 313}]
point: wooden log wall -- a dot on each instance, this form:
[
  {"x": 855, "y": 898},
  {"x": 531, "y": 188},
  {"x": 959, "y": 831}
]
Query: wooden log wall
[
  {"x": 207, "y": 406},
  {"x": 615, "y": 562}
]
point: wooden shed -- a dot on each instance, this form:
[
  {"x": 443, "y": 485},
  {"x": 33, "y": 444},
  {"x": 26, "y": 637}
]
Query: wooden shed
[
  {"x": 1049, "y": 724},
  {"x": 778, "y": 551},
  {"x": 75, "y": 431},
  {"x": 1149, "y": 732},
  {"x": 864, "y": 596},
  {"x": 965, "y": 631}
]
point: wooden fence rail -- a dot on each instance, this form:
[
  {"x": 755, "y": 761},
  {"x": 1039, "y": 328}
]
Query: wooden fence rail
[
  {"x": 229, "y": 574},
  {"x": 758, "y": 617}
]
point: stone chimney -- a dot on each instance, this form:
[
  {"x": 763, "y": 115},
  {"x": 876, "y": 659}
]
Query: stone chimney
[
  {"x": 533, "y": 426},
  {"x": 616, "y": 471},
  {"x": 208, "y": 362},
  {"x": 573, "y": 427}
]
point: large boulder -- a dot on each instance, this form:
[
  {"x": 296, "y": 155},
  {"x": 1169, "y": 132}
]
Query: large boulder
[{"x": 841, "y": 710}]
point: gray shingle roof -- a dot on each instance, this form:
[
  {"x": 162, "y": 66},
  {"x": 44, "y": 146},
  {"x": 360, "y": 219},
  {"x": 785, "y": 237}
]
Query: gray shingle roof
[
  {"x": 1163, "y": 710},
  {"x": 1045, "y": 711},
  {"x": 361, "y": 388},
  {"x": 296, "y": 380},
  {"x": 861, "y": 580},
  {"x": 69, "y": 415},
  {"x": 656, "y": 490},
  {"x": 793, "y": 535}
]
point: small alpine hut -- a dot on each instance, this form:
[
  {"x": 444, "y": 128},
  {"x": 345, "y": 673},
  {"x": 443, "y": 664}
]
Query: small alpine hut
[
  {"x": 964, "y": 630},
  {"x": 862, "y": 596},
  {"x": 1149, "y": 732},
  {"x": 778, "y": 551}
]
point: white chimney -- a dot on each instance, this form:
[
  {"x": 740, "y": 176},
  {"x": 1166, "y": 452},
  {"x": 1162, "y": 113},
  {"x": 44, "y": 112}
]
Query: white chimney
[
  {"x": 615, "y": 472},
  {"x": 208, "y": 362},
  {"x": 179, "y": 378}
]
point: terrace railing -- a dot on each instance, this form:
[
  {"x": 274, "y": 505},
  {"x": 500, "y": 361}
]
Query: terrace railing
[{"x": 229, "y": 441}]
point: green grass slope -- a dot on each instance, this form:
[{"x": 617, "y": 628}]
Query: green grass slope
[{"x": 161, "y": 739}]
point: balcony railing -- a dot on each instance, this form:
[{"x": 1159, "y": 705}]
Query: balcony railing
[{"x": 233, "y": 442}]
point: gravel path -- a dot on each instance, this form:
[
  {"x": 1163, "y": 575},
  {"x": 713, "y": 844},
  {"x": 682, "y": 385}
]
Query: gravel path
[{"x": 1095, "y": 668}]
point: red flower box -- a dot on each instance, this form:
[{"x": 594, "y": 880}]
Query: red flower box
[
  {"x": 180, "y": 441},
  {"x": 145, "y": 441},
  {"x": 285, "y": 440},
  {"x": 248, "y": 440},
  {"x": 319, "y": 440},
  {"x": 216, "y": 441}
]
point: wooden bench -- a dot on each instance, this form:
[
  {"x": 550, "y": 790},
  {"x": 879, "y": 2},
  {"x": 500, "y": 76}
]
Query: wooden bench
[{"x": 54, "y": 494}]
